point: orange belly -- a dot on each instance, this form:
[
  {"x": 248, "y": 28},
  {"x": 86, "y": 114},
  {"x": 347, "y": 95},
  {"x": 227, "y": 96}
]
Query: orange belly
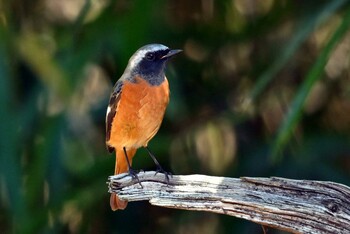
[{"x": 139, "y": 114}]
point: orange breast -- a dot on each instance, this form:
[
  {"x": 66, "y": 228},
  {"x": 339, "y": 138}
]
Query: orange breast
[{"x": 139, "y": 114}]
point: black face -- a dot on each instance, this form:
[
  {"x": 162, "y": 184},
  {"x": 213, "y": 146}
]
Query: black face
[
  {"x": 154, "y": 56},
  {"x": 152, "y": 65}
]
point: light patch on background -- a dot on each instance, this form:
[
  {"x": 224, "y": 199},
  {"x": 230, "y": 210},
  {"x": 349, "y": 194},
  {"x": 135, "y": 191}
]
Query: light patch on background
[
  {"x": 67, "y": 11},
  {"x": 253, "y": 7},
  {"x": 339, "y": 61},
  {"x": 239, "y": 99},
  {"x": 72, "y": 216},
  {"x": 274, "y": 107},
  {"x": 210, "y": 145},
  {"x": 215, "y": 143},
  {"x": 207, "y": 9},
  {"x": 195, "y": 50}
]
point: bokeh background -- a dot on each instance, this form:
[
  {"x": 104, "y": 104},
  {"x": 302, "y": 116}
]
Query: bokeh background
[{"x": 261, "y": 89}]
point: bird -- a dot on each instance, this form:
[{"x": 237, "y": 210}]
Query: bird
[{"x": 136, "y": 109}]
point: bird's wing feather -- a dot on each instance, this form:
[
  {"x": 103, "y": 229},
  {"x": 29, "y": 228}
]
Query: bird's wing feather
[{"x": 112, "y": 110}]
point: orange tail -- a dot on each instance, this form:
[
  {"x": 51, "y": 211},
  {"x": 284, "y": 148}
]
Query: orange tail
[{"x": 121, "y": 166}]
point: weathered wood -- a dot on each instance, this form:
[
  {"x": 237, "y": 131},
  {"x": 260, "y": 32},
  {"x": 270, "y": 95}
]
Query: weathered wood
[{"x": 298, "y": 206}]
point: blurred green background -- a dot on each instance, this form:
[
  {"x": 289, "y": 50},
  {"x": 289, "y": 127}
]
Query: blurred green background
[{"x": 261, "y": 89}]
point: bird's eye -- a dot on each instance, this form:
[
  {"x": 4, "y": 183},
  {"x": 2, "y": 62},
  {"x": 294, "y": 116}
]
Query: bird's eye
[{"x": 150, "y": 56}]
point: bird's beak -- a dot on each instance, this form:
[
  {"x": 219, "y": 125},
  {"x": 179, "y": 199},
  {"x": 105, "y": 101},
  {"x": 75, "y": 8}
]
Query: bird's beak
[{"x": 171, "y": 53}]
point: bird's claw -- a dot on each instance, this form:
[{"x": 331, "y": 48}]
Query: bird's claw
[
  {"x": 133, "y": 173},
  {"x": 167, "y": 174}
]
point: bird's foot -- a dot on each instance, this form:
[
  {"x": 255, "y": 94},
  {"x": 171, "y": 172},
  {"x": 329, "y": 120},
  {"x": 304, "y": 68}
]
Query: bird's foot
[
  {"x": 133, "y": 173},
  {"x": 167, "y": 174}
]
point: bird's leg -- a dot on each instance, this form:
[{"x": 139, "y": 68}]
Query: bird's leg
[
  {"x": 132, "y": 172},
  {"x": 159, "y": 167}
]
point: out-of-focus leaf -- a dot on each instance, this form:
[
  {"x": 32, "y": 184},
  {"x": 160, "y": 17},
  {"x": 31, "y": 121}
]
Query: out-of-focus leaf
[
  {"x": 40, "y": 60},
  {"x": 315, "y": 73},
  {"x": 9, "y": 164}
]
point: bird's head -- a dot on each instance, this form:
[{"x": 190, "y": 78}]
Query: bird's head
[{"x": 149, "y": 61}]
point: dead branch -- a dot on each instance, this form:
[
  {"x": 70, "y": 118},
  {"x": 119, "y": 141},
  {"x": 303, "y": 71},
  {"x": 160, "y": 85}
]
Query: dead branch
[{"x": 298, "y": 206}]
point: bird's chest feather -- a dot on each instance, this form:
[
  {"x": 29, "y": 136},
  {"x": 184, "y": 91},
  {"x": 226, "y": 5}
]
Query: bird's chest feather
[
  {"x": 140, "y": 111},
  {"x": 144, "y": 100}
]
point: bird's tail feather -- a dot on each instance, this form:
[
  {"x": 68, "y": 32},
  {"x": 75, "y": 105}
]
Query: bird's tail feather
[{"x": 121, "y": 166}]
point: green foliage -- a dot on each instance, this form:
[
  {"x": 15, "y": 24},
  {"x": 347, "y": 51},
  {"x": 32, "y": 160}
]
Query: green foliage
[
  {"x": 315, "y": 73},
  {"x": 306, "y": 25},
  {"x": 255, "y": 77}
]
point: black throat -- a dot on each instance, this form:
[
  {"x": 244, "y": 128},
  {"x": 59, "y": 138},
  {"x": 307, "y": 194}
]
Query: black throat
[{"x": 152, "y": 72}]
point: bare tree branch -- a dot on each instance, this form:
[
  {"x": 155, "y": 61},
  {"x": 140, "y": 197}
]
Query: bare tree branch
[{"x": 298, "y": 206}]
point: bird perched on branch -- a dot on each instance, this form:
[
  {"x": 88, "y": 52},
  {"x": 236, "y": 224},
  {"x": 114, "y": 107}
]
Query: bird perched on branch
[{"x": 136, "y": 109}]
